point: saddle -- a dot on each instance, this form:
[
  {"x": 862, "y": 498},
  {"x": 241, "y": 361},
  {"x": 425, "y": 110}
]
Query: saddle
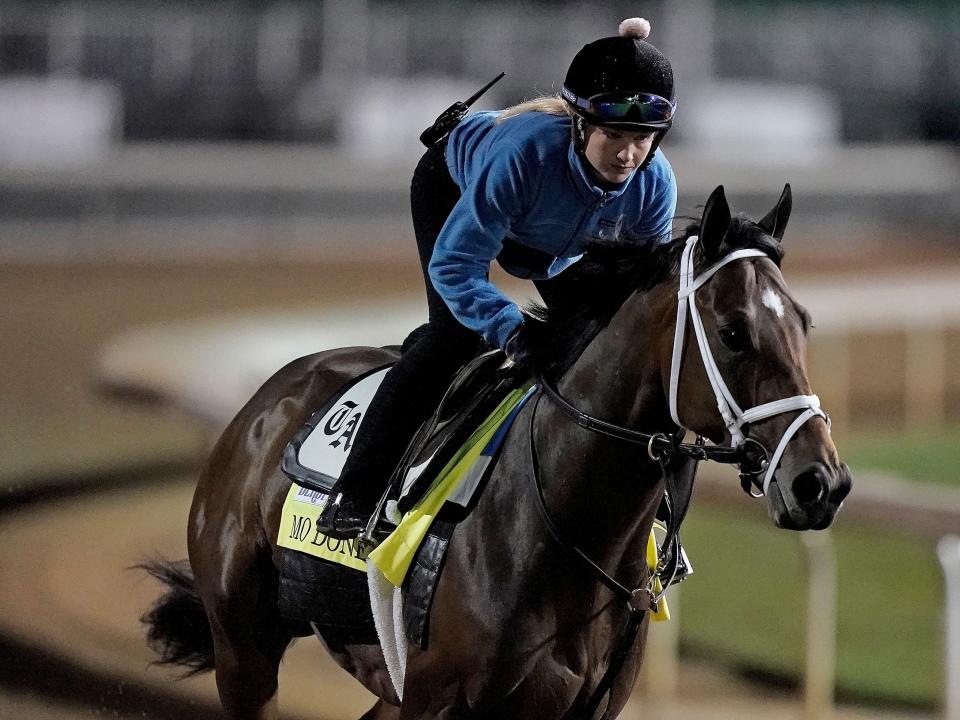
[
  {"x": 311, "y": 563},
  {"x": 315, "y": 456}
]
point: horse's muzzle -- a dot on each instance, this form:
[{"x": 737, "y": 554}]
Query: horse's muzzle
[{"x": 811, "y": 498}]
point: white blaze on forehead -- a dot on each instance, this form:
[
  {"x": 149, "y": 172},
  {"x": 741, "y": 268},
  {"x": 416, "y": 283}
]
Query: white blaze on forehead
[{"x": 773, "y": 301}]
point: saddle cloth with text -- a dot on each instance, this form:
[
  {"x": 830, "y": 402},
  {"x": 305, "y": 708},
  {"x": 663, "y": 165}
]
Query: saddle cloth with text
[{"x": 447, "y": 465}]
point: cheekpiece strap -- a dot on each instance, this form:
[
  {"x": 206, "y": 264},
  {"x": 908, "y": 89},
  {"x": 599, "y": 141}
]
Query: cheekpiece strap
[{"x": 733, "y": 417}]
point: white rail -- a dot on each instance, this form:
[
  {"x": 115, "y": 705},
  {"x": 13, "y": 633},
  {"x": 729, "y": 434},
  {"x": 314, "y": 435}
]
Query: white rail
[
  {"x": 948, "y": 550},
  {"x": 821, "y": 633}
]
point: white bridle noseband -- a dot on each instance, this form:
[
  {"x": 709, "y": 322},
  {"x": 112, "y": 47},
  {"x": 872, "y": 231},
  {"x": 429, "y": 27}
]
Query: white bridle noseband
[{"x": 733, "y": 417}]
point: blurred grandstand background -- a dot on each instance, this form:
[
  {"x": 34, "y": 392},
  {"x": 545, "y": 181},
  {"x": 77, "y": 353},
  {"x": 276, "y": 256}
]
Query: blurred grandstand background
[
  {"x": 140, "y": 128},
  {"x": 296, "y": 71},
  {"x": 176, "y": 172}
]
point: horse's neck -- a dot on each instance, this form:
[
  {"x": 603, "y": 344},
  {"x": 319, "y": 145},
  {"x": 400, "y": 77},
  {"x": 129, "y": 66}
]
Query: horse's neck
[
  {"x": 619, "y": 376},
  {"x": 607, "y": 487}
]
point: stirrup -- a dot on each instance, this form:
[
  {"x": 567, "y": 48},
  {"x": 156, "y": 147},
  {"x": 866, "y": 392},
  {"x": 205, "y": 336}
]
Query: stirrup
[
  {"x": 684, "y": 567},
  {"x": 341, "y": 521}
]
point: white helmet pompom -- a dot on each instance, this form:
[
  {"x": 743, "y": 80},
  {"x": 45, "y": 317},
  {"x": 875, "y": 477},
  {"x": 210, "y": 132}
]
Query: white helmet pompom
[{"x": 637, "y": 28}]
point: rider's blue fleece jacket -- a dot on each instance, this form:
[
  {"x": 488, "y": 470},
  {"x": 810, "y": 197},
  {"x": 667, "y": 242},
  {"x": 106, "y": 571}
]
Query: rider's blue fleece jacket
[{"x": 529, "y": 202}]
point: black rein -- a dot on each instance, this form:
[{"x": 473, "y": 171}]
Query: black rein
[
  {"x": 662, "y": 448},
  {"x": 750, "y": 457}
]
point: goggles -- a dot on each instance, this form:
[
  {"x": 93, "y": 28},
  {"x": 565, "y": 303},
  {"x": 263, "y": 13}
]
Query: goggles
[{"x": 624, "y": 108}]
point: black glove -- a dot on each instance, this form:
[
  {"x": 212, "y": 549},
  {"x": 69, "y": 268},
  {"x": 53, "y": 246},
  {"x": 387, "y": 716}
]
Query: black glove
[{"x": 516, "y": 347}]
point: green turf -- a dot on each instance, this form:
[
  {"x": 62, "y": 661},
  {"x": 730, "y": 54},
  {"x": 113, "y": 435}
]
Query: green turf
[
  {"x": 925, "y": 455},
  {"x": 745, "y": 606}
]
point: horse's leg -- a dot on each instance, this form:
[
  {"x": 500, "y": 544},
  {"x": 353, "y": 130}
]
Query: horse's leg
[
  {"x": 239, "y": 586},
  {"x": 248, "y": 639},
  {"x": 248, "y": 643},
  {"x": 246, "y": 674},
  {"x": 233, "y": 523}
]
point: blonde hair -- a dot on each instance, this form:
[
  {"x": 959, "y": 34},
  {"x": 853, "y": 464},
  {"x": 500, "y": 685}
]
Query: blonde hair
[{"x": 550, "y": 104}]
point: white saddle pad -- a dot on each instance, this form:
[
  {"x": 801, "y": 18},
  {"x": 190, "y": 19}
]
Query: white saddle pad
[{"x": 318, "y": 452}]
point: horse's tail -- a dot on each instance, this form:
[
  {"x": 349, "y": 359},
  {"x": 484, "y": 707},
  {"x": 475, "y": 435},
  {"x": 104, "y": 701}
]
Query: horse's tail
[{"x": 178, "y": 628}]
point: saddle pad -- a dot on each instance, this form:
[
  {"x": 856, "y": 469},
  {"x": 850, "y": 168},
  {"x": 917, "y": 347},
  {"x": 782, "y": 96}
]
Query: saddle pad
[
  {"x": 456, "y": 483},
  {"x": 331, "y": 600},
  {"x": 298, "y": 531},
  {"x": 317, "y": 453}
]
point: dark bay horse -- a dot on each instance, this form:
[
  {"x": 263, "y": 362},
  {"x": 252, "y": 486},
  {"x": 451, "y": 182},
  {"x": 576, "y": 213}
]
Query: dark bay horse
[{"x": 518, "y": 629}]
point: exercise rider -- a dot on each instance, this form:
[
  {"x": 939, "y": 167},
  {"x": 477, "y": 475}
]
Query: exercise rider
[{"x": 530, "y": 187}]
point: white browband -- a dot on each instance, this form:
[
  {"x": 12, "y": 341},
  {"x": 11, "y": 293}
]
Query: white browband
[{"x": 733, "y": 417}]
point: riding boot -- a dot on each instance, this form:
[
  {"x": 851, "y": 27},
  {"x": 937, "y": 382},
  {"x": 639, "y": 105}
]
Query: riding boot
[{"x": 408, "y": 394}]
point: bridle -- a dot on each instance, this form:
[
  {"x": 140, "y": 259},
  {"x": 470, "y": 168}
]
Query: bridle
[
  {"x": 734, "y": 418},
  {"x": 752, "y": 458}
]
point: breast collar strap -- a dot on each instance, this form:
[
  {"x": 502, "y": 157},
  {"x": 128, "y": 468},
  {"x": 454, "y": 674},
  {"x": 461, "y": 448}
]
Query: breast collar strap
[{"x": 733, "y": 417}]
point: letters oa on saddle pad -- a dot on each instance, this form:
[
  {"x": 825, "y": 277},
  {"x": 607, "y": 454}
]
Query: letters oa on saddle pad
[
  {"x": 411, "y": 556},
  {"x": 316, "y": 455}
]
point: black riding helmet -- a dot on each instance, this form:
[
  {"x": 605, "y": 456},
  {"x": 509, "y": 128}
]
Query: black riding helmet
[{"x": 621, "y": 82}]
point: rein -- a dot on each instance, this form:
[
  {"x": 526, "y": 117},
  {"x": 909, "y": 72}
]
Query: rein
[
  {"x": 659, "y": 445},
  {"x": 618, "y": 589},
  {"x": 635, "y": 613}
]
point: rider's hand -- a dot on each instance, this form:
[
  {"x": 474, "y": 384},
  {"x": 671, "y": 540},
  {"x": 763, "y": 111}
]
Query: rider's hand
[{"x": 516, "y": 347}]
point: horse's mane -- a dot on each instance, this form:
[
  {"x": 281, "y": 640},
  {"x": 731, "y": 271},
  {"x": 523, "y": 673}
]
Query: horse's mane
[{"x": 605, "y": 277}]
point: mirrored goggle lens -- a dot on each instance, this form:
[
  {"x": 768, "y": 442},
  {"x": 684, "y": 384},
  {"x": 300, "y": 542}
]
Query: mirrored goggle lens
[{"x": 634, "y": 109}]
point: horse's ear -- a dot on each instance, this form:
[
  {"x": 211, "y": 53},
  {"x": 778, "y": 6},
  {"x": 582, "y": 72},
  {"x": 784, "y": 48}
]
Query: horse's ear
[
  {"x": 775, "y": 221},
  {"x": 714, "y": 223}
]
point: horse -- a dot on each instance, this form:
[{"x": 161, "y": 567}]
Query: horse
[{"x": 518, "y": 629}]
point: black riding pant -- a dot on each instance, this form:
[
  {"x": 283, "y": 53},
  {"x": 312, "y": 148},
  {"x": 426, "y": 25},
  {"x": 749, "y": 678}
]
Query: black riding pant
[{"x": 432, "y": 353}]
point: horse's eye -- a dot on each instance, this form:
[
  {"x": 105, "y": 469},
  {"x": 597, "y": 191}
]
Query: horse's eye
[{"x": 735, "y": 337}]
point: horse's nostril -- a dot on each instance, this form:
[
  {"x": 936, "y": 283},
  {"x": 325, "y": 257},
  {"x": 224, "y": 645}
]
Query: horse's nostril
[
  {"x": 808, "y": 486},
  {"x": 840, "y": 492}
]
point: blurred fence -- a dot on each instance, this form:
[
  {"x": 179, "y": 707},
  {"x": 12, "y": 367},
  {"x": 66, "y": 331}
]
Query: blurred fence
[
  {"x": 886, "y": 345},
  {"x": 886, "y": 349},
  {"x": 928, "y": 514}
]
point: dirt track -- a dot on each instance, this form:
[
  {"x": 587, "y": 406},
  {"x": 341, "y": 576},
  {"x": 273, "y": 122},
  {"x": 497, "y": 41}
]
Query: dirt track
[
  {"x": 74, "y": 561},
  {"x": 68, "y": 593}
]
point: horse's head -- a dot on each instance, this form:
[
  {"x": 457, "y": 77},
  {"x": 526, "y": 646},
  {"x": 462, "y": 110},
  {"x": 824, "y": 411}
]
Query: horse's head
[{"x": 755, "y": 355}]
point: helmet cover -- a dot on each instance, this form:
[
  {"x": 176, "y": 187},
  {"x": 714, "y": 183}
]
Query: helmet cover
[{"x": 622, "y": 65}]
